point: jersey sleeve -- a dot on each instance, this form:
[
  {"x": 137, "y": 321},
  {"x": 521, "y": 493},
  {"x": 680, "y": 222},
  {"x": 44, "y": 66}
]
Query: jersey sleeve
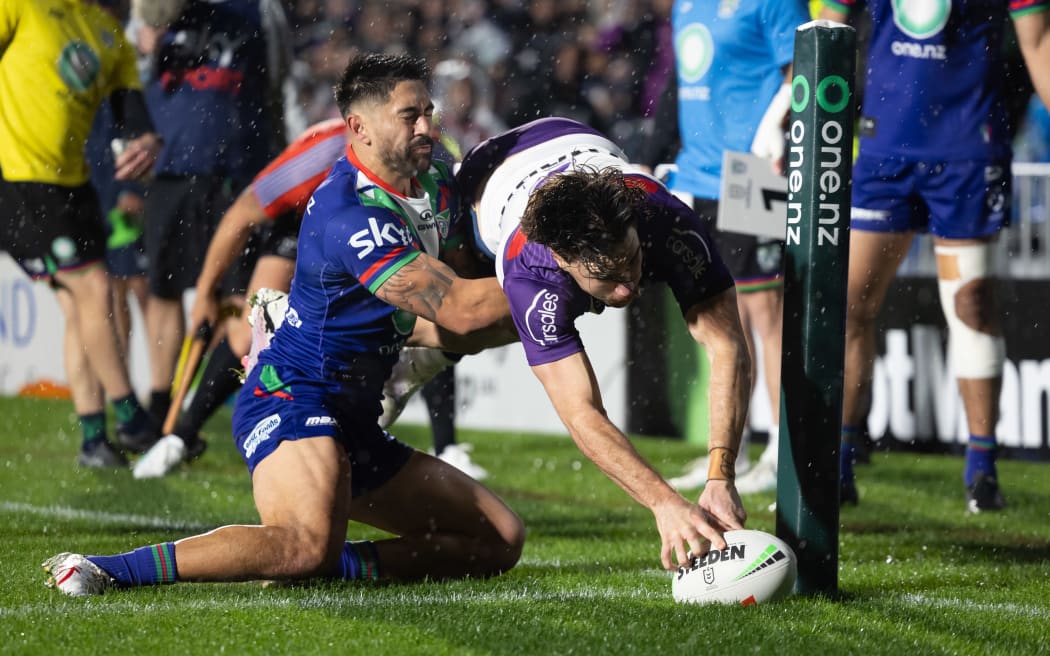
[
  {"x": 370, "y": 243},
  {"x": 685, "y": 254},
  {"x": 125, "y": 67},
  {"x": 781, "y": 18},
  {"x": 845, "y": 6},
  {"x": 285, "y": 185},
  {"x": 544, "y": 313},
  {"x": 1025, "y": 7}
]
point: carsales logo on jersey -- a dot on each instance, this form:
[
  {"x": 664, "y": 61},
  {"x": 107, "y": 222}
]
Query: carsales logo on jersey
[
  {"x": 374, "y": 236},
  {"x": 541, "y": 318}
]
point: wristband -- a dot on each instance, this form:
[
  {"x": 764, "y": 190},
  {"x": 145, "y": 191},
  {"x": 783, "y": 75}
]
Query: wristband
[{"x": 721, "y": 464}]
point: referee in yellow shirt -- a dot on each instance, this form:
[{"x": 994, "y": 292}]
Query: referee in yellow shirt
[{"x": 59, "y": 59}]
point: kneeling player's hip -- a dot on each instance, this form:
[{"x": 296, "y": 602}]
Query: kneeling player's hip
[{"x": 279, "y": 404}]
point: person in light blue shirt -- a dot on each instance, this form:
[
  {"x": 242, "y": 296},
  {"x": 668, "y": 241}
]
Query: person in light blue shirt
[{"x": 732, "y": 62}]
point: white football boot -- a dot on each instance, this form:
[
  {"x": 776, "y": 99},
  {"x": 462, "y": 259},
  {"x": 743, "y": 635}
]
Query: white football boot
[
  {"x": 763, "y": 476},
  {"x": 415, "y": 366},
  {"x": 161, "y": 458},
  {"x": 458, "y": 455},
  {"x": 75, "y": 575}
]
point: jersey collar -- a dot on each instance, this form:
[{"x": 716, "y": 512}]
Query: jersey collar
[{"x": 351, "y": 157}]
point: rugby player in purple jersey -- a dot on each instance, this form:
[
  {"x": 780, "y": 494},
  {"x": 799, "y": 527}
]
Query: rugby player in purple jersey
[{"x": 573, "y": 228}]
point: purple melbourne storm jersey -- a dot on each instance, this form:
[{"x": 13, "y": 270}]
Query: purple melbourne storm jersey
[
  {"x": 496, "y": 179},
  {"x": 935, "y": 86},
  {"x": 356, "y": 233}
]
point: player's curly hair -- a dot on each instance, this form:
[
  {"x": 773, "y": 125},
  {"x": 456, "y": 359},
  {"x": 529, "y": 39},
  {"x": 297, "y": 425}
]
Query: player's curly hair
[
  {"x": 373, "y": 76},
  {"x": 584, "y": 216}
]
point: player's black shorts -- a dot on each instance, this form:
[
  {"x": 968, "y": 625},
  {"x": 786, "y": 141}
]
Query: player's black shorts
[
  {"x": 181, "y": 216},
  {"x": 756, "y": 263},
  {"x": 48, "y": 228},
  {"x": 281, "y": 237}
]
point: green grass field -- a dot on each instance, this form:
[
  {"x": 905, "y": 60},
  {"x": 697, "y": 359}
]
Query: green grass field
[{"x": 917, "y": 575}]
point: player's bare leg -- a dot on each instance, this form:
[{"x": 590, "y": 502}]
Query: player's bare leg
[
  {"x": 764, "y": 310},
  {"x": 976, "y": 353},
  {"x": 302, "y": 493},
  {"x": 873, "y": 261},
  {"x": 449, "y": 524},
  {"x": 165, "y": 331},
  {"x": 88, "y": 398}
]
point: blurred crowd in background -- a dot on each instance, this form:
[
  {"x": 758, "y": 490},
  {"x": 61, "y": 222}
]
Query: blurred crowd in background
[{"x": 498, "y": 63}]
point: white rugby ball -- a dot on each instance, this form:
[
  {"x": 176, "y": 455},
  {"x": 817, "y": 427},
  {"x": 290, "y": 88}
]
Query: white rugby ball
[{"x": 755, "y": 567}]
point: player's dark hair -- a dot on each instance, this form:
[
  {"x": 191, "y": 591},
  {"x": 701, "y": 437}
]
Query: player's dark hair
[
  {"x": 584, "y": 216},
  {"x": 373, "y": 77}
]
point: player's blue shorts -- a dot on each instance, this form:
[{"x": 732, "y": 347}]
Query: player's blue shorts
[
  {"x": 965, "y": 199},
  {"x": 279, "y": 403}
]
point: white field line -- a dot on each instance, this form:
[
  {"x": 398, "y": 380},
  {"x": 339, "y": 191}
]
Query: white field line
[
  {"x": 350, "y": 599},
  {"x": 1024, "y": 610},
  {"x": 102, "y": 517},
  {"x": 335, "y": 600}
]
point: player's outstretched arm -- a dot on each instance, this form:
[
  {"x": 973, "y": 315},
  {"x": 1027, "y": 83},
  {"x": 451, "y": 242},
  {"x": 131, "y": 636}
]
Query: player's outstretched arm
[
  {"x": 715, "y": 324},
  {"x": 430, "y": 289},
  {"x": 573, "y": 389},
  {"x": 229, "y": 241}
]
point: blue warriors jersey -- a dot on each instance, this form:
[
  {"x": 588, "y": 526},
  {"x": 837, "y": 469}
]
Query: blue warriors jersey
[
  {"x": 730, "y": 56},
  {"x": 935, "y": 85},
  {"x": 356, "y": 233}
]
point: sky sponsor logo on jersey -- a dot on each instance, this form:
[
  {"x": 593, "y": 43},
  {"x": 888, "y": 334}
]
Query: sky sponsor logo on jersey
[
  {"x": 367, "y": 240},
  {"x": 541, "y": 318}
]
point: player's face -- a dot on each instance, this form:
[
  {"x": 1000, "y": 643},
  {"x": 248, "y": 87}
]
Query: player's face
[
  {"x": 620, "y": 287},
  {"x": 403, "y": 132}
]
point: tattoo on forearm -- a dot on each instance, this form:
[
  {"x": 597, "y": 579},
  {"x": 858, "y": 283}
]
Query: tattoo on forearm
[{"x": 403, "y": 288}]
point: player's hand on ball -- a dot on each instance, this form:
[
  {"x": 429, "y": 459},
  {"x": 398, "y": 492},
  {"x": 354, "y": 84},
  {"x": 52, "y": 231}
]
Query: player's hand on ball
[
  {"x": 721, "y": 503},
  {"x": 685, "y": 531}
]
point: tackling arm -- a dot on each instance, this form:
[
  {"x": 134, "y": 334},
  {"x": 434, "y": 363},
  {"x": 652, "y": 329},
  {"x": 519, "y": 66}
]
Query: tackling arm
[
  {"x": 429, "y": 288},
  {"x": 573, "y": 389}
]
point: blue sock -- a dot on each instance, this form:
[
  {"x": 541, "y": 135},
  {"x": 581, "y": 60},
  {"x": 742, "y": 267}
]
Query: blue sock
[
  {"x": 360, "y": 561},
  {"x": 980, "y": 457},
  {"x": 847, "y": 452},
  {"x": 144, "y": 566}
]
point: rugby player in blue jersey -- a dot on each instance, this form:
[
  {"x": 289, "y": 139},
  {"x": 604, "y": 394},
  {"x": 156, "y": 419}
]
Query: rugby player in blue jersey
[
  {"x": 935, "y": 157},
  {"x": 306, "y": 420}
]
